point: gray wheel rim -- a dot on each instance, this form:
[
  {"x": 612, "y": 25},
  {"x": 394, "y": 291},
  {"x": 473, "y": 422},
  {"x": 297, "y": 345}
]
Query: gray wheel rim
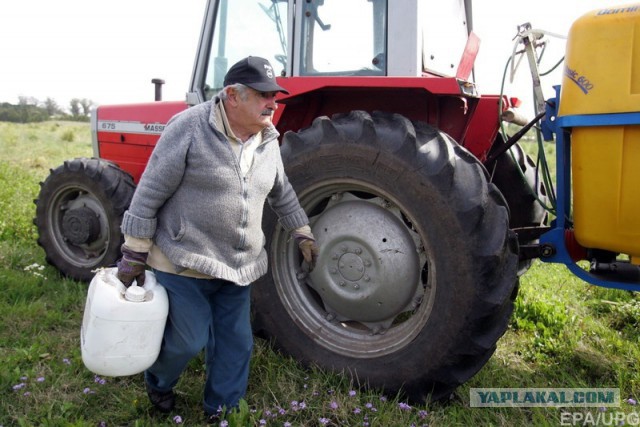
[
  {"x": 77, "y": 197},
  {"x": 373, "y": 288}
]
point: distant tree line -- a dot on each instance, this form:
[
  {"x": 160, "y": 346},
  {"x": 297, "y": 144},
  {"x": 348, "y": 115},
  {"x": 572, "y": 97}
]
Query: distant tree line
[{"x": 30, "y": 110}]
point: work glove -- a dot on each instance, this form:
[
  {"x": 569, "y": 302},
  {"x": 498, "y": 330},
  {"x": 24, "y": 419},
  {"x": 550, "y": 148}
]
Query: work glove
[
  {"x": 131, "y": 266},
  {"x": 308, "y": 247}
]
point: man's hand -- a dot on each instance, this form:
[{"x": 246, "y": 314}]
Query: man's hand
[
  {"x": 310, "y": 252},
  {"x": 307, "y": 245},
  {"x": 131, "y": 266}
]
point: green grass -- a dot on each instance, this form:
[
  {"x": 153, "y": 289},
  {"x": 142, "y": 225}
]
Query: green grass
[{"x": 564, "y": 333}]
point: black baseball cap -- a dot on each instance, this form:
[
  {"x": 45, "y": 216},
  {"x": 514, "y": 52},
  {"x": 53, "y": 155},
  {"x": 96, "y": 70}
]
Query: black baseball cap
[{"x": 255, "y": 72}]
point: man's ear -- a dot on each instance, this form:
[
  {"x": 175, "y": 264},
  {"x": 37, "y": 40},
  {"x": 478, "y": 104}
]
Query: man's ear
[{"x": 233, "y": 97}]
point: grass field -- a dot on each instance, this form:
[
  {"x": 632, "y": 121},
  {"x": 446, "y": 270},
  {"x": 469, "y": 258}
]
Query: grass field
[{"x": 564, "y": 334}]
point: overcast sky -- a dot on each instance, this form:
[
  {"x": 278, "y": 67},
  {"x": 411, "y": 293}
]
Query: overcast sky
[{"x": 109, "y": 50}]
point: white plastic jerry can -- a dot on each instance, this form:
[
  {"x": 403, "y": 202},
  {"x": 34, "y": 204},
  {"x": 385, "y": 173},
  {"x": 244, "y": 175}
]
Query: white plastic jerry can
[{"x": 122, "y": 328}]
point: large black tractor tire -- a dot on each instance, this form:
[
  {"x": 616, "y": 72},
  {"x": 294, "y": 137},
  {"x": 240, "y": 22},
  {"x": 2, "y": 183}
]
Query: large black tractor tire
[
  {"x": 78, "y": 215},
  {"x": 514, "y": 173},
  {"x": 416, "y": 276}
]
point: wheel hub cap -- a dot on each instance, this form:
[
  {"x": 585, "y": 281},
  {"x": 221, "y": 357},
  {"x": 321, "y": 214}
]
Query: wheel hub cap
[
  {"x": 368, "y": 269},
  {"x": 80, "y": 225}
]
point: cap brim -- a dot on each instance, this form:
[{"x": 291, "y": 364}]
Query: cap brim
[{"x": 267, "y": 87}]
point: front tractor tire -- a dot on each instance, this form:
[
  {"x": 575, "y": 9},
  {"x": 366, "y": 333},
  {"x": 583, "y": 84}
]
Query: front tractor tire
[
  {"x": 416, "y": 276},
  {"x": 78, "y": 215}
]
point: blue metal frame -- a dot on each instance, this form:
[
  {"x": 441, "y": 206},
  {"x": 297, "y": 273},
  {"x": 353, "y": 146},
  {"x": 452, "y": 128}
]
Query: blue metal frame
[{"x": 555, "y": 237}]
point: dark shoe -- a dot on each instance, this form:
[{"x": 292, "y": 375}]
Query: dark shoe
[
  {"x": 164, "y": 401},
  {"x": 213, "y": 418}
]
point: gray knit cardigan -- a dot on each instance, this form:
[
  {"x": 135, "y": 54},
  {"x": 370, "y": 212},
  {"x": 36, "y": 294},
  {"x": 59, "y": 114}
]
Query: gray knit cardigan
[{"x": 195, "y": 204}]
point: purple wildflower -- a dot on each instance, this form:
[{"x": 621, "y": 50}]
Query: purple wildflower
[
  {"x": 357, "y": 411},
  {"x": 352, "y": 393},
  {"x": 298, "y": 406},
  {"x": 177, "y": 419},
  {"x": 66, "y": 361},
  {"x": 224, "y": 423},
  {"x": 263, "y": 422},
  {"x": 383, "y": 398},
  {"x": 281, "y": 411},
  {"x": 102, "y": 424},
  {"x": 404, "y": 406},
  {"x": 24, "y": 378},
  {"x": 19, "y": 386},
  {"x": 324, "y": 421},
  {"x": 333, "y": 405},
  {"x": 26, "y": 393},
  {"x": 423, "y": 414},
  {"x": 287, "y": 424},
  {"x": 631, "y": 401},
  {"x": 40, "y": 379},
  {"x": 99, "y": 380},
  {"x": 87, "y": 390}
]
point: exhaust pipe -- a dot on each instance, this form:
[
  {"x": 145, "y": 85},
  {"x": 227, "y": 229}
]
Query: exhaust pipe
[{"x": 158, "y": 86}]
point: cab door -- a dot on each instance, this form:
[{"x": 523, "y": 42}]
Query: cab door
[{"x": 235, "y": 29}]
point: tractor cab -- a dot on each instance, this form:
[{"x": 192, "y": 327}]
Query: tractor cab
[{"x": 330, "y": 38}]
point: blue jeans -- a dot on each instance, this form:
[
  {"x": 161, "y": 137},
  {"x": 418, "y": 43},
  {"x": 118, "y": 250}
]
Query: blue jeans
[{"x": 212, "y": 314}]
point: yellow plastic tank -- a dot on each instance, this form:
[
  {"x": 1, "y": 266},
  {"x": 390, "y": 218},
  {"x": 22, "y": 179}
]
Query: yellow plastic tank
[{"x": 602, "y": 76}]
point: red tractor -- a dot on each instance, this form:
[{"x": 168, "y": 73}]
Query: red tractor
[{"x": 386, "y": 142}]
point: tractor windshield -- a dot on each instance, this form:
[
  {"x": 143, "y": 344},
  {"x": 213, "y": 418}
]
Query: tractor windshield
[
  {"x": 335, "y": 37},
  {"x": 343, "y": 37},
  {"x": 244, "y": 28}
]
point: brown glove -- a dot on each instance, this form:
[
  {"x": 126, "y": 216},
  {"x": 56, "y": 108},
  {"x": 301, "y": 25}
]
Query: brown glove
[
  {"x": 131, "y": 266},
  {"x": 310, "y": 252},
  {"x": 308, "y": 247}
]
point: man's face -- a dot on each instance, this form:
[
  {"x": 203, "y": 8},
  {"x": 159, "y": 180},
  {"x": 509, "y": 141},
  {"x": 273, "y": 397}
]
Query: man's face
[{"x": 254, "y": 111}]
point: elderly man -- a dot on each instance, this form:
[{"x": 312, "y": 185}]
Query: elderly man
[{"x": 196, "y": 218}]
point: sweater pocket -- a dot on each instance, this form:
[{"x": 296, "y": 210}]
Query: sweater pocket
[{"x": 181, "y": 228}]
